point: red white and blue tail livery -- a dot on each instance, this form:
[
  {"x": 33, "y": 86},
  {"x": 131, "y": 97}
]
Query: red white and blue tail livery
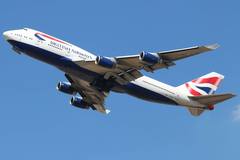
[
  {"x": 91, "y": 78},
  {"x": 204, "y": 85}
]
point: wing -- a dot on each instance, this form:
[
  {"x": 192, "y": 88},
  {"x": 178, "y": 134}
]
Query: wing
[
  {"x": 168, "y": 57},
  {"x": 90, "y": 94},
  {"x": 127, "y": 67}
]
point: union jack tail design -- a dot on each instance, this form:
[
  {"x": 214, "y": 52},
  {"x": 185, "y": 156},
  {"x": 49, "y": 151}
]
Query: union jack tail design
[{"x": 204, "y": 85}]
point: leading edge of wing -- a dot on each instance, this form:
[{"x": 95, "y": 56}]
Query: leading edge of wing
[
  {"x": 133, "y": 61},
  {"x": 204, "y": 47}
]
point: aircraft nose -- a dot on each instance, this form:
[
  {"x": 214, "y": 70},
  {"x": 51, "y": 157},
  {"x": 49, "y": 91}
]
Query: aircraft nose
[{"x": 6, "y": 35}]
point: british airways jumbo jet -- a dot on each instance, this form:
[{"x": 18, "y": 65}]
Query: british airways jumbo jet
[{"x": 92, "y": 77}]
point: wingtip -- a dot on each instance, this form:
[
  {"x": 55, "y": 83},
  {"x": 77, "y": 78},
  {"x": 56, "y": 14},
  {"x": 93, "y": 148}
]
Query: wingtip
[
  {"x": 107, "y": 111},
  {"x": 212, "y": 46},
  {"x": 232, "y": 95}
]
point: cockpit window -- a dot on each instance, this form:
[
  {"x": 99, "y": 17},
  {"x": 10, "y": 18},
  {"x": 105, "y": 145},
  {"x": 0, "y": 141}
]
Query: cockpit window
[{"x": 25, "y": 29}]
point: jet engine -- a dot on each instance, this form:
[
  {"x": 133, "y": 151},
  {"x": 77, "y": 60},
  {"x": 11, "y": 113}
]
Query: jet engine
[
  {"x": 150, "y": 58},
  {"x": 65, "y": 87},
  {"x": 106, "y": 62},
  {"x": 79, "y": 103}
]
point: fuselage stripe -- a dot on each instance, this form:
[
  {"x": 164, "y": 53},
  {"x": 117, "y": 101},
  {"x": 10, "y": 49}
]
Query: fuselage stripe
[{"x": 49, "y": 37}]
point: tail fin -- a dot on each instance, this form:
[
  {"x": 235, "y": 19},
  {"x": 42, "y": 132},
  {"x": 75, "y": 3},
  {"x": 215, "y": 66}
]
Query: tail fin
[
  {"x": 202, "y": 89},
  {"x": 205, "y": 85}
]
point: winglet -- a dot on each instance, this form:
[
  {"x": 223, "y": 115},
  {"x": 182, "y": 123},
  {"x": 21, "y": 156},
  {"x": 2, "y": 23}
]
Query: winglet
[{"x": 212, "y": 46}]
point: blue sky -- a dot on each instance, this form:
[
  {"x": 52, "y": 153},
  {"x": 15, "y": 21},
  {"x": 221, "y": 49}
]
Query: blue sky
[{"x": 37, "y": 122}]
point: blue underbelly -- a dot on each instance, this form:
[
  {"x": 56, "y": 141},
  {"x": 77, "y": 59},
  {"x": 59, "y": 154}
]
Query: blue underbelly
[
  {"x": 63, "y": 63},
  {"x": 146, "y": 94}
]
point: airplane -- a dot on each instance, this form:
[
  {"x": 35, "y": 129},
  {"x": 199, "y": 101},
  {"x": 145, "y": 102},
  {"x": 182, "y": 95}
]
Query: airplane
[{"x": 91, "y": 78}]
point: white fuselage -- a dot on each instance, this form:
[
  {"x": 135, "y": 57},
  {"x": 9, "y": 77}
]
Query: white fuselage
[{"x": 62, "y": 55}]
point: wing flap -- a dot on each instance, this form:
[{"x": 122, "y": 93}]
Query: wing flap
[{"x": 123, "y": 74}]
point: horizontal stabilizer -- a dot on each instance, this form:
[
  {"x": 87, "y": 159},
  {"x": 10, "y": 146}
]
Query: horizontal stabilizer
[{"x": 212, "y": 99}]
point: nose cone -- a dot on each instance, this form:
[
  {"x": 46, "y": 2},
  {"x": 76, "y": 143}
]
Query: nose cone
[{"x": 6, "y": 35}]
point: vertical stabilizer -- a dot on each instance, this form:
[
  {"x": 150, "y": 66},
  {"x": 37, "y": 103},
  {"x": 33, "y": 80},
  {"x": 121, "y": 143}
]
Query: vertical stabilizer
[{"x": 205, "y": 85}]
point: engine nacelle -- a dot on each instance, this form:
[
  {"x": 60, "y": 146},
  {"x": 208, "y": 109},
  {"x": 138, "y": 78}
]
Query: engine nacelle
[
  {"x": 79, "y": 103},
  {"x": 106, "y": 62},
  {"x": 150, "y": 58},
  {"x": 65, "y": 87}
]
